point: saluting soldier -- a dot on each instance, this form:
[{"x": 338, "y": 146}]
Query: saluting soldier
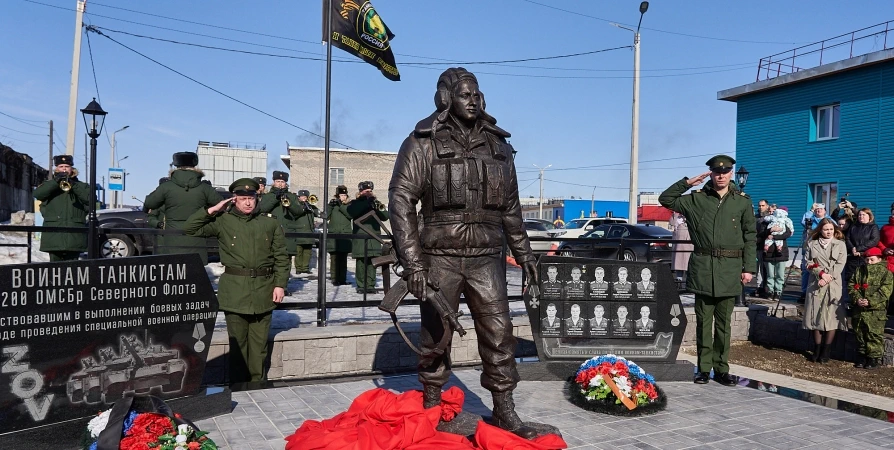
[
  {"x": 339, "y": 223},
  {"x": 305, "y": 224},
  {"x": 156, "y": 218},
  {"x": 363, "y": 250},
  {"x": 285, "y": 207},
  {"x": 183, "y": 195},
  {"x": 63, "y": 203},
  {"x": 253, "y": 252},
  {"x": 722, "y": 228}
]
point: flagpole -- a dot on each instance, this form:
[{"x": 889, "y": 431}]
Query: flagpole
[{"x": 322, "y": 255}]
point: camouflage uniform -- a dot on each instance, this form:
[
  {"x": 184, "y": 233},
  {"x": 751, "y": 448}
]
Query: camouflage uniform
[{"x": 869, "y": 321}]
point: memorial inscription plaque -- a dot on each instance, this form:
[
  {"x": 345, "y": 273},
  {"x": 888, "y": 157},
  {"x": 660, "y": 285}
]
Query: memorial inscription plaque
[
  {"x": 75, "y": 336},
  {"x": 591, "y": 307}
]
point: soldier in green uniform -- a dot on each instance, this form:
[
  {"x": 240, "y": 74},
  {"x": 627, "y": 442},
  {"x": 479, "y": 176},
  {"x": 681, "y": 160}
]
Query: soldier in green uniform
[
  {"x": 363, "y": 250},
  {"x": 305, "y": 224},
  {"x": 156, "y": 218},
  {"x": 183, "y": 195},
  {"x": 722, "y": 229},
  {"x": 285, "y": 207},
  {"x": 339, "y": 223},
  {"x": 63, "y": 203},
  {"x": 253, "y": 252},
  {"x": 262, "y": 187},
  {"x": 869, "y": 290}
]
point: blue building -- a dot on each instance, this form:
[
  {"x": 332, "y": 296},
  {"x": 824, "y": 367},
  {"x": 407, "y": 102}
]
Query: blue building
[
  {"x": 578, "y": 208},
  {"x": 815, "y": 135}
]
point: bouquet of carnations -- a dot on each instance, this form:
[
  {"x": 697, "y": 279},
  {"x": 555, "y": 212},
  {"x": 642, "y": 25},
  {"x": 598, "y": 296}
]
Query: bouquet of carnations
[
  {"x": 614, "y": 385},
  {"x": 151, "y": 430}
]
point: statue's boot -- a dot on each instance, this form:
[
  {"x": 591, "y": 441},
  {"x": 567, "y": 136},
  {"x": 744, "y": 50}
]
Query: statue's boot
[
  {"x": 506, "y": 418},
  {"x": 431, "y": 396}
]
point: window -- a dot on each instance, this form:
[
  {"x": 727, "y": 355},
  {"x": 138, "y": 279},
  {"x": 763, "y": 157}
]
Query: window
[
  {"x": 336, "y": 176},
  {"x": 827, "y": 119},
  {"x": 826, "y": 194}
]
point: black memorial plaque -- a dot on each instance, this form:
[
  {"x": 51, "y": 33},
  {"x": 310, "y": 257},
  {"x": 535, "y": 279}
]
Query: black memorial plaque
[
  {"x": 77, "y": 335},
  {"x": 628, "y": 309}
]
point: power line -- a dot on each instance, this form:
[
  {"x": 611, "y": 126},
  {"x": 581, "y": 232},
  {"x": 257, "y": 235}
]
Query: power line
[
  {"x": 58, "y": 139},
  {"x": 205, "y": 24},
  {"x": 92, "y": 66},
  {"x": 94, "y": 30},
  {"x": 598, "y": 187},
  {"x": 744, "y": 41},
  {"x": 23, "y": 120},
  {"x": 23, "y": 132},
  {"x": 622, "y": 164},
  {"x": 571, "y": 55},
  {"x": 17, "y": 141}
]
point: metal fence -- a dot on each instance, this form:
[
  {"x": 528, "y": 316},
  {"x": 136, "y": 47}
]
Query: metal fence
[{"x": 608, "y": 248}]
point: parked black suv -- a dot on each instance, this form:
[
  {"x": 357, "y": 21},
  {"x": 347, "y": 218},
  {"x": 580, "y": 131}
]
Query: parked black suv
[{"x": 124, "y": 244}]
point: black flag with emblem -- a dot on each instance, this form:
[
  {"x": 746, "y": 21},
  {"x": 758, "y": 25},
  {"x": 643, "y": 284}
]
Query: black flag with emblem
[{"x": 358, "y": 29}]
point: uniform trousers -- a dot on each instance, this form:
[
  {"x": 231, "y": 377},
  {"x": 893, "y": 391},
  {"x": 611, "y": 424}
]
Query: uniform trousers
[
  {"x": 364, "y": 273},
  {"x": 712, "y": 332},
  {"x": 64, "y": 256},
  {"x": 869, "y": 329},
  {"x": 482, "y": 280},
  {"x": 248, "y": 345},
  {"x": 302, "y": 257},
  {"x": 338, "y": 267}
]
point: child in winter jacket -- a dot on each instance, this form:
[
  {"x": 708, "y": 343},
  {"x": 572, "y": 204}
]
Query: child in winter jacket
[
  {"x": 869, "y": 289},
  {"x": 779, "y": 221}
]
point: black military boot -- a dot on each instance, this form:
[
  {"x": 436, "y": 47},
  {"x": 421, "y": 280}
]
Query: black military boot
[
  {"x": 872, "y": 363},
  {"x": 817, "y": 352},
  {"x": 506, "y": 418},
  {"x": 431, "y": 396}
]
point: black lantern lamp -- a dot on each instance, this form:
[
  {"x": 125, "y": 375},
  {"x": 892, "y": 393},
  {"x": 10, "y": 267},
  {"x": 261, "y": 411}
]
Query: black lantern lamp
[
  {"x": 94, "y": 118},
  {"x": 741, "y": 177}
]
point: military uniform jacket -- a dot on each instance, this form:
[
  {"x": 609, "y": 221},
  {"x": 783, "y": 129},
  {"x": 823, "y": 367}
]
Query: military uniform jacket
[
  {"x": 356, "y": 209},
  {"x": 156, "y": 217},
  {"x": 340, "y": 222},
  {"x": 181, "y": 196},
  {"x": 879, "y": 283},
  {"x": 252, "y": 241},
  {"x": 293, "y": 219},
  {"x": 468, "y": 189},
  {"x": 716, "y": 224},
  {"x": 63, "y": 209}
]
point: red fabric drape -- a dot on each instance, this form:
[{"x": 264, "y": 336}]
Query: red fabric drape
[{"x": 381, "y": 420}]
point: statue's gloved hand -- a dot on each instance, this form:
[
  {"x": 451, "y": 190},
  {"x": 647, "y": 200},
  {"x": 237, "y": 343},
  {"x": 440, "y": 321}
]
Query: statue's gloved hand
[
  {"x": 417, "y": 283},
  {"x": 531, "y": 273}
]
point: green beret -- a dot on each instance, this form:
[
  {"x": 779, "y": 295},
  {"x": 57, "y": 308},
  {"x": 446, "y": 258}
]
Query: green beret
[
  {"x": 244, "y": 186},
  {"x": 721, "y": 163}
]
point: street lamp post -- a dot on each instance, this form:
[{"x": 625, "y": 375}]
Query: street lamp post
[
  {"x": 94, "y": 117},
  {"x": 114, "y": 162},
  {"x": 634, "y": 133},
  {"x": 741, "y": 180}
]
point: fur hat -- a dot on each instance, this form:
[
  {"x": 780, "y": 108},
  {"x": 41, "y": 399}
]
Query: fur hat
[
  {"x": 364, "y": 185},
  {"x": 162, "y": 180},
  {"x": 304, "y": 193},
  {"x": 277, "y": 175},
  {"x": 63, "y": 159},
  {"x": 185, "y": 159},
  {"x": 873, "y": 251},
  {"x": 341, "y": 189},
  {"x": 261, "y": 180}
]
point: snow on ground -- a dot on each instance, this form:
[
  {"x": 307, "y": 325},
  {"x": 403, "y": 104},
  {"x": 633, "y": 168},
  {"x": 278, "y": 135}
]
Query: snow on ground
[{"x": 19, "y": 255}]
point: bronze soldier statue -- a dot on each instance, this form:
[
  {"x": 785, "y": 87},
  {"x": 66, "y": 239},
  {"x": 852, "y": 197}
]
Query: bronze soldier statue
[{"x": 458, "y": 164}]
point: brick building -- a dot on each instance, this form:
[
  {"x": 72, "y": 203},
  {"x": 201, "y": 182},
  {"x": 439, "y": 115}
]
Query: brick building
[
  {"x": 19, "y": 175},
  {"x": 347, "y": 167}
]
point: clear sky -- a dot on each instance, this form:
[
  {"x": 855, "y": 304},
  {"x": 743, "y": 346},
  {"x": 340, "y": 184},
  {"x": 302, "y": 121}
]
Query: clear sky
[{"x": 573, "y": 113}]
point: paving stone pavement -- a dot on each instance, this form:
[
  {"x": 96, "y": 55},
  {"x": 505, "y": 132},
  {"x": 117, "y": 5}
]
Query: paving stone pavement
[{"x": 697, "y": 417}]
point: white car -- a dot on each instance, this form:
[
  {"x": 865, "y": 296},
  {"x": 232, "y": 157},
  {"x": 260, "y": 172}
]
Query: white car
[
  {"x": 578, "y": 227},
  {"x": 541, "y": 229}
]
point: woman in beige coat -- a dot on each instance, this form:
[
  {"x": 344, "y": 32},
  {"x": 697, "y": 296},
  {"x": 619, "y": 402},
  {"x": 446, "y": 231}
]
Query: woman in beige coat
[{"x": 824, "y": 313}]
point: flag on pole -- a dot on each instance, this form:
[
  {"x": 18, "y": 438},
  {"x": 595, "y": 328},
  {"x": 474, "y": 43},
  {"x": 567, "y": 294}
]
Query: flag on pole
[{"x": 358, "y": 29}]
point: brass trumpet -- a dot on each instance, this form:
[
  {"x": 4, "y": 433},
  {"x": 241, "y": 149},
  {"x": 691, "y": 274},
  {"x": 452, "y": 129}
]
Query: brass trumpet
[
  {"x": 285, "y": 202},
  {"x": 379, "y": 206},
  {"x": 313, "y": 199},
  {"x": 65, "y": 185}
]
